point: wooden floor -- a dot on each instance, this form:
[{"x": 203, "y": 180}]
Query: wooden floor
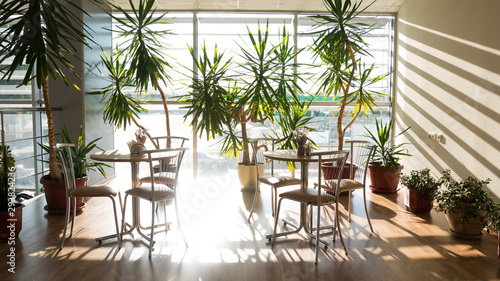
[{"x": 224, "y": 246}]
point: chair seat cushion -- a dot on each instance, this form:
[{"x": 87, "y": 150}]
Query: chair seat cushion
[
  {"x": 279, "y": 181},
  {"x": 307, "y": 195},
  {"x": 345, "y": 184},
  {"x": 147, "y": 193},
  {"x": 159, "y": 180},
  {"x": 93, "y": 191}
]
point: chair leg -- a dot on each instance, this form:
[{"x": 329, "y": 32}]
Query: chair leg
[
  {"x": 350, "y": 205},
  {"x": 366, "y": 210},
  {"x": 165, "y": 215},
  {"x": 337, "y": 222},
  {"x": 273, "y": 200},
  {"x": 74, "y": 215},
  {"x": 123, "y": 217},
  {"x": 257, "y": 191},
  {"x": 118, "y": 235},
  {"x": 276, "y": 218},
  {"x": 317, "y": 234},
  {"x": 177, "y": 214},
  {"x": 151, "y": 242},
  {"x": 66, "y": 222},
  {"x": 335, "y": 215}
]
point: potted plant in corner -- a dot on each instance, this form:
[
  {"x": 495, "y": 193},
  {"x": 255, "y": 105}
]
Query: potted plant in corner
[
  {"x": 41, "y": 36},
  {"x": 55, "y": 194},
  {"x": 385, "y": 168},
  {"x": 267, "y": 81},
  {"x": 7, "y": 195},
  {"x": 422, "y": 189},
  {"x": 467, "y": 206}
]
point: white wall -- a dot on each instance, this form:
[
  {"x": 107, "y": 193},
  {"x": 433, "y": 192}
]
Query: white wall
[{"x": 448, "y": 82}]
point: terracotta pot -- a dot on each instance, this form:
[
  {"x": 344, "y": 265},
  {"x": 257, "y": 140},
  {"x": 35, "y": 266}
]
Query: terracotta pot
[
  {"x": 55, "y": 194},
  {"x": 384, "y": 179},
  {"x": 329, "y": 171},
  {"x": 415, "y": 202},
  {"x": 16, "y": 221},
  {"x": 469, "y": 231},
  {"x": 248, "y": 176}
]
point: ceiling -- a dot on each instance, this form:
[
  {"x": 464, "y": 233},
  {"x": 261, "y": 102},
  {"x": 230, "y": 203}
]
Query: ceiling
[{"x": 380, "y": 6}]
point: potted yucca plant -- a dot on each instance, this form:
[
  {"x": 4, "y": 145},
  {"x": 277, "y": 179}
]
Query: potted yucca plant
[{"x": 385, "y": 168}]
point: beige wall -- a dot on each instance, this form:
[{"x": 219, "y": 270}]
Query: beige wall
[{"x": 447, "y": 80}]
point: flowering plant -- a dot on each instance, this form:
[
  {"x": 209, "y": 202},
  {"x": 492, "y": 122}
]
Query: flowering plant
[
  {"x": 301, "y": 136},
  {"x": 140, "y": 135}
]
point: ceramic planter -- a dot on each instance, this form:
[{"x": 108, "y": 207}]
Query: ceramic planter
[
  {"x": 55, "y": 194},
  {"x": 469, "y": 231},
  {"x": 329, "y": 171},
  {"x": 248, "y": 176},
  {"x": 6, "y": 220},
  {"x": 384, "y": 179},
  {"x": 415, "y": 202}
]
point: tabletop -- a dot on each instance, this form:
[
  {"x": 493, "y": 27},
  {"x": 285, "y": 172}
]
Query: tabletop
[
  {"x": 122, "y": 156},
  {"x": 289, "y": 155}
]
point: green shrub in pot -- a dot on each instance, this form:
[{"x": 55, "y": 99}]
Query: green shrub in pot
[
  {"x": 467, "y": 205},
  {"x": 422, "y": 190}
]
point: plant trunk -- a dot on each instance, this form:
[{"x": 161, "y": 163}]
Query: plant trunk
[
  {"x": 246, "y": 152},
  {"x": 54, "y": 171},
  {"x": 340, "y": 130},
  {"x": 144, "y": 130},
  {"x": 167, "y": 115}
]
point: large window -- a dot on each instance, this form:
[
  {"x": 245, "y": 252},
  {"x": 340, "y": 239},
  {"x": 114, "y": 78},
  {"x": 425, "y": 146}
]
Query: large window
[{"x": 228, "y": 31}]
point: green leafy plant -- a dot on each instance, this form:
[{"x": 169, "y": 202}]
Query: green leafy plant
[
  {"x": 386, "y": 153},
  {"x": 41, "y": 36},
  {"x": 339, "y": 45},
  {"x": 119, "y": 109},
  {"x": 266, "y": 81},
  {"x": 7, "y": 166},
  {"x": 423, "y": 181},
  {"x": 81, "y": 163},
  {"x": 468, "y": 197},
  {"x": 144, "y": 44}
]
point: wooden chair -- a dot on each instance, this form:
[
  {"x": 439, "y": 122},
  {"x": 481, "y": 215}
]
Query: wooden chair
[
  {"x": 66, "y": 158},
  {"x": 159, "y": 190},
  {"x": 268, "y": 177},
  {"x": 320, "y": 196}
]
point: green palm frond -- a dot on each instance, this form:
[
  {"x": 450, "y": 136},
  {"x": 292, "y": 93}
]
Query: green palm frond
[
  {"x": 43, "y": 35},
  {"x": 119, "y": 107}
]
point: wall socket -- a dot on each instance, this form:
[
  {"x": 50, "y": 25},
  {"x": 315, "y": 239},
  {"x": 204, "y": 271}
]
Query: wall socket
[{"x": 436, "y": 137}]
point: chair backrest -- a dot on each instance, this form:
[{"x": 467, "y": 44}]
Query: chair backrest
[
  {"x": 169, "y": 142},
  {"x": 167, "y": 177},
  {"x": 65, "y": 153},
  {"x": 359, "y": 158},
  {"x": 259, "y": 146},
  {"x": 336, "y": 158}
]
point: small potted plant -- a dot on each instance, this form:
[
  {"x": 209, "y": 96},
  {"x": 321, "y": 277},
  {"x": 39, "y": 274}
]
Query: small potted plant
[
  {"x": 422, "y": 189},
  {"x": 385, "y": 168},
  {"x": 467, "y": 206},
  {"x": 55, "y": 191},
  {"x": 10, "y": 212}
]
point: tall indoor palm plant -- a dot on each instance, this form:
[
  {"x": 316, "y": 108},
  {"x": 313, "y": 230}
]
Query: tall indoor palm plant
[
  {"x": 339, "y": 45},
  {"x": 266, "y": 81},
  {"x": 147, "y": 64},
  {"x": 41, "y": 36}
]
